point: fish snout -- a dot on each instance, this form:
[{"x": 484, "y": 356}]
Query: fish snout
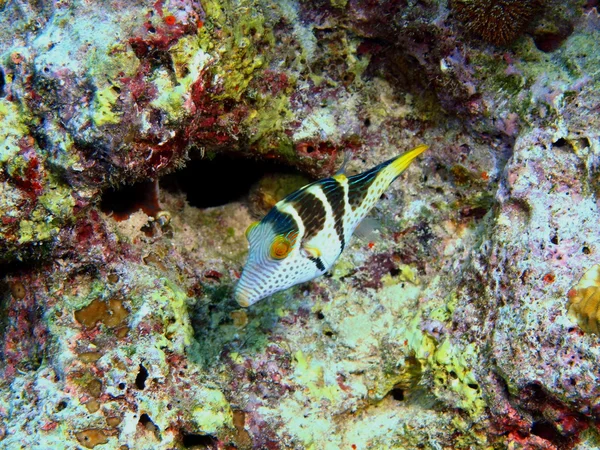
[{"x": 244, "y": 296}]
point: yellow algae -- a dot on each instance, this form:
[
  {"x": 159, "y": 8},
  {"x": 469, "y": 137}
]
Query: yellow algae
[
  {"x": 188, "y": 60},
  {"x": 58, "y": 200},
  {"x": 103, "y": 112},
  {"x": 12, "y": 129},
  {"x": 584, "y": 301},
  {"x": 311, "y": 375},
  {"x": 176, "y": 321},
  {"x": 213, "y": 412}
]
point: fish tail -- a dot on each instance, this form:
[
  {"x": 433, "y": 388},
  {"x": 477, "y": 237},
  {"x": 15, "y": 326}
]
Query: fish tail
[{"x": 400, "y": 164}]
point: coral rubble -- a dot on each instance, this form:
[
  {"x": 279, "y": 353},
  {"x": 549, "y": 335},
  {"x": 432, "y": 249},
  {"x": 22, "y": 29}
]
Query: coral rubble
[{"x": 138, "y": 140}]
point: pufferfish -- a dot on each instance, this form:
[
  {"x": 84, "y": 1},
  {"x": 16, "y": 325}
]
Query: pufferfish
[{"x": 304, "y": 234}]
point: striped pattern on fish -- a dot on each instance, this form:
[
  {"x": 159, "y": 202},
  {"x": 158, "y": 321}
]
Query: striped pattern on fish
[{"x": 305, "y": 233}]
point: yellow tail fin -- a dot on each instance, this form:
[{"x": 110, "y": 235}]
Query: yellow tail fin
[{"x": 403, "y": 161}]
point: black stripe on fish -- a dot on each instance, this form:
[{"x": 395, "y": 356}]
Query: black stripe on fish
[
  {"x": 311, "y": 210},
  {"x": 318, "y": 262},
  {"x": 358, "y": 185},
  {"x": 282, "y": 222},
  {"x": 334, "y": 192}
]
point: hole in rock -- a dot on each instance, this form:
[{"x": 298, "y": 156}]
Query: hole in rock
[
  {"x": 551, "y": 41},
  {"x": 2, "y": 83},
  {"x": 140, "y": 380},
  {"x": 590, "y": 4},
  {"x": 546, "y": 430},
  {"x": 397, "y": 394},
  {"x": 146, "y": 421},
  {"x": 200, "y": 440},
  {"x": 61, "y": 405},
  {"x": 219, "y": 181},
  {"x": 560, "y": 143},
  {"x": 124, "y": 201}
]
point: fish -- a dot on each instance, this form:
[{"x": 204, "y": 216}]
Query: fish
[{"x": 303, "y": 235}]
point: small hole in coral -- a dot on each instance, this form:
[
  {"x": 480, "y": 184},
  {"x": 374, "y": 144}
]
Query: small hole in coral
[
  {"x": 586, "y": 250},
  {"x": 145, "y": 418},
  {"x": 140, "y": 380},
  {"x": 2, "y": 83},
  {"x": 146, "y": 421},
  {"x": 473, "y": 386},
  {"x": 310, "y": 149},
  {"x": 545, "y": 430},
  {"x": 554, "y": 239},
  {"x": 320, "y": 315},
  {"x": 397, "y": 394},
  {"x": 453, "y": 374},
  {"x": 590, "y": 4},
  {"x": 122, "y": 386},
  {"x": 560, "y": 143},
  {"x": 61, "y": 405},
  {"x": 394, "y": 271},
  {"x": 328, "y": 333},
  {"x": 549, "y": 42},
  {"x": 367, "y": 122},
  {"x": 193, "y": 440}
]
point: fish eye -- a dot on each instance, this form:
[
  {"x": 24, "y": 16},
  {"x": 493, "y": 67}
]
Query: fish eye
[{"x": 281, "y": 247}]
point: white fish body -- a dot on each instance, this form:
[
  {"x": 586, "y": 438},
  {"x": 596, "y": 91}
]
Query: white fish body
[{"x": 304, "y": 234}]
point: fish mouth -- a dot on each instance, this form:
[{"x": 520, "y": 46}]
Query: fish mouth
[{"x": 244, "y": 297}]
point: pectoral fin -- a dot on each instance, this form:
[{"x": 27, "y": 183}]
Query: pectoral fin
[
  {"x": 311, "y": 252},
  {"x": 251, "y": 227}
]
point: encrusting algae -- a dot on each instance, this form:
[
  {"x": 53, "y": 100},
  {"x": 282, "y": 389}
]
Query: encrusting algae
[{"x": 584, "y": 301}]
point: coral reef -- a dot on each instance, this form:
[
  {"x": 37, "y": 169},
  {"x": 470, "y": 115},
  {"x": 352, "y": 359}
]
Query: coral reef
[
  {"x": 138, "y": 140},
  {"x": 497, "y": 22}
]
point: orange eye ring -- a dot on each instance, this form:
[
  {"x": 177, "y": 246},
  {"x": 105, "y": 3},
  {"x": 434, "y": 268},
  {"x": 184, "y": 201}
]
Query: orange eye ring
[{"x": 280, "y": 248}]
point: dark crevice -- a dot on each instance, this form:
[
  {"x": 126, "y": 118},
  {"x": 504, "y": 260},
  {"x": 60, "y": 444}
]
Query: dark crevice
[
  {"x": 2, "y": 83},
  {"x": 209, "y": 183},
  {"x": 546, "y": 430},
  {"x": 200, "y": 440},
  {"x": 140, "y": 380},
  {"x": 124, "y": 201},
  {"x": 397, "y": 394},
  {"x": 145, "y": 419},
  {"x": 551, "y": 41}
]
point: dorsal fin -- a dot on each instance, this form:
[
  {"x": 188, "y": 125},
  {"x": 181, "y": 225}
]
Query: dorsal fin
[{"x": 344, "y": 166}]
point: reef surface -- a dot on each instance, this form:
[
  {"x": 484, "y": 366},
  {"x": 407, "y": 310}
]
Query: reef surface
[{"x": 138, "y": 140}]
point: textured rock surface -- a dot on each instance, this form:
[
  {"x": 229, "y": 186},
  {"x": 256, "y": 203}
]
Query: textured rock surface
[{"x": 134, "y": 138}]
